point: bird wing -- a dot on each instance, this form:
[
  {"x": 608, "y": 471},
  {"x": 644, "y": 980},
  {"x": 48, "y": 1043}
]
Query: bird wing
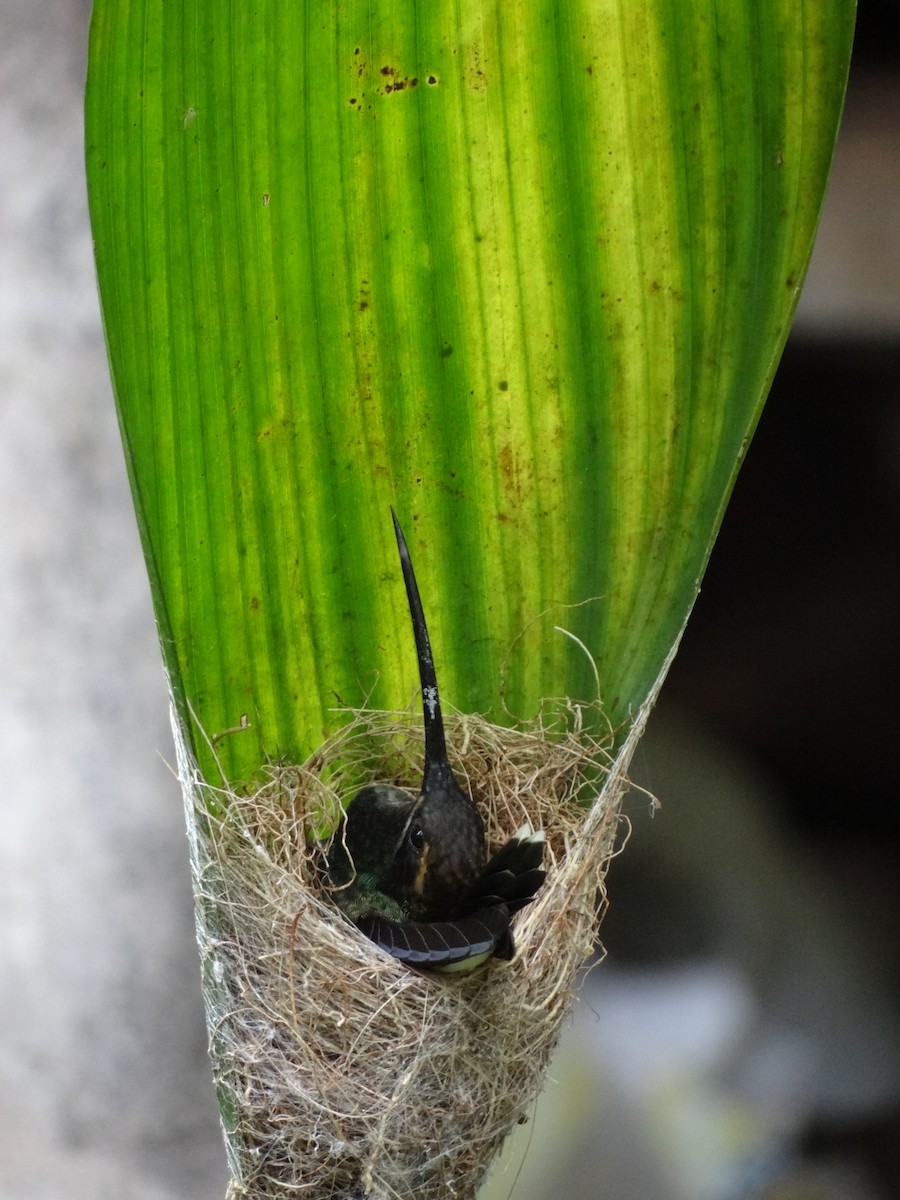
[
  {"x": 511, "y": 877},
  {"x": 440, "y": 945}
]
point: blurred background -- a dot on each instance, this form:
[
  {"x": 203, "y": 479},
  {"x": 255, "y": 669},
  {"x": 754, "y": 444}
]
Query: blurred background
[{"x": 741, "y": 1040}]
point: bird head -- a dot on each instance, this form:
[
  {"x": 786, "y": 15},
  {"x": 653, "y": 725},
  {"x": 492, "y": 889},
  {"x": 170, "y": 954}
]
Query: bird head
[
  {"x": 422, "y": 852},
  {"x": 453, "y": 831}
]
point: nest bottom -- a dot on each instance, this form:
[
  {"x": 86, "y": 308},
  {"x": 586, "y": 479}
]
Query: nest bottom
[{"x": 341, "y": 1072}]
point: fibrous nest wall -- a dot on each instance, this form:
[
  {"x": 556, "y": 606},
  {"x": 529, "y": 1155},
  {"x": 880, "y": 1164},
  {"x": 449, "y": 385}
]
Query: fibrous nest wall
[{"x": 340, "y": 1072}]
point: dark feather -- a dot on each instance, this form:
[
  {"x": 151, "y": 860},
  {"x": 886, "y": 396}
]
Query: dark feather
[
  {"x": 438, "y": 944},
  {"x": 512, "y": 876}
]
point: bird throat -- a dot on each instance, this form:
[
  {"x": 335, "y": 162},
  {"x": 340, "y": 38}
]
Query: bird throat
[{"x": 419, "y": 881}]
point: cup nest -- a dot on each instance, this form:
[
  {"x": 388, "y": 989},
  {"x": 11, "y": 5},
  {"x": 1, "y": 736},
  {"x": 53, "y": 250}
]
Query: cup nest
[{"x": 341, "y": 1072}]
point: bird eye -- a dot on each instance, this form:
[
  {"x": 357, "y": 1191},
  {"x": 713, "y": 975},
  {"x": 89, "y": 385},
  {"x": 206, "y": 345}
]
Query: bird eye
[{"x": 417, "y": 837}]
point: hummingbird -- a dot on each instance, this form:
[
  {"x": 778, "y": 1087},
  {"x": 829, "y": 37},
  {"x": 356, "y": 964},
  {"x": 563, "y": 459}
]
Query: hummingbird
[{"x": 412, "y": 872}]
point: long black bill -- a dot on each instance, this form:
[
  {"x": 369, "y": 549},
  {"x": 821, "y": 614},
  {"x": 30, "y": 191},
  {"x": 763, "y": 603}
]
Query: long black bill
[{"x": 438, "y": 772}]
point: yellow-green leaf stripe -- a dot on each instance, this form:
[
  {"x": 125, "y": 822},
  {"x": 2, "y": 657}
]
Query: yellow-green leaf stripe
[{"x": 520, "y": 268}]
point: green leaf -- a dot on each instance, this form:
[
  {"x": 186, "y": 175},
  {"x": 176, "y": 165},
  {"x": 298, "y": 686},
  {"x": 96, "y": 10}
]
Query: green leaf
[{"x": 522, "y": 269}]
